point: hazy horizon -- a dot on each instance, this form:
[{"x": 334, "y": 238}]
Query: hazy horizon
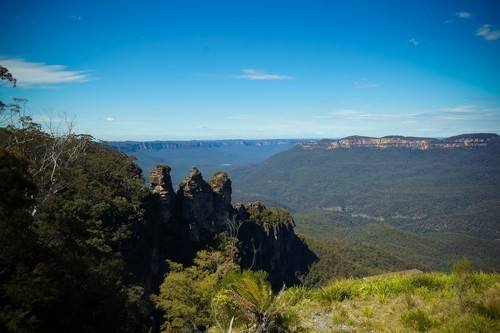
[{"x": 284, "y": 138}]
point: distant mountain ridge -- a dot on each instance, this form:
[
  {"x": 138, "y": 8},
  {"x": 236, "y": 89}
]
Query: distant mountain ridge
[
  {"x": 394, "y": 141},
  {"x": 132, "y": 146},
  {"x": 208, "y": 155}
]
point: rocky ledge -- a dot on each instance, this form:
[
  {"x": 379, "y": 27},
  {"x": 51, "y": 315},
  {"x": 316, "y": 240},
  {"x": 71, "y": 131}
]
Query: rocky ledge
[{"x": 460, "y": 141}]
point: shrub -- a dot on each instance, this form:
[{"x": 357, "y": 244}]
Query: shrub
[
  {"x": 247, "y": 298},
  {"x": 297, "y": 294},
  {"x": 417, "y": 320},
  {"x": 186, "y": 293},
  {"x": 339, "y": 291},
  {"x": 463, "y": 281},
  {"x": 472, "y": 323},
  {"x": 489, "y": 304}
]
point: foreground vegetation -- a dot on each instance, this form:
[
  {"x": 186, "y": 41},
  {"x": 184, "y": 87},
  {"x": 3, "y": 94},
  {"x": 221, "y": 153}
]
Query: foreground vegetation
[
  {"x": 214, "y": 296},
  {"x": 431, "y": 302}
]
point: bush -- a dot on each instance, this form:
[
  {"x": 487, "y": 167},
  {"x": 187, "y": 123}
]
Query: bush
[
  {"x": 417, "y": 320},
  {"x": 247, "y": 298},
  {"x": 489, "y": 304},
  {"x": 339, "y": 291},
  {"x": 186, "y": 293},
  {"x": 472, "y": 323},
  {"x": 463, "y": 281},
  {"x": 297, "y": 294}
]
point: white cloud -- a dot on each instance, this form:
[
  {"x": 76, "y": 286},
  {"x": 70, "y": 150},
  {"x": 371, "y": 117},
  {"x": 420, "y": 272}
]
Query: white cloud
[
  {"x": 109, "y": 119},
  {"x": 464, "y": 15},
  {"x": 414, "y": 41},
  {"x": 36, "y": 73},
  {"x": 488, "y": 32},
  {"x": 253, "y": 74},
  {"x": 75, "y": 18}
]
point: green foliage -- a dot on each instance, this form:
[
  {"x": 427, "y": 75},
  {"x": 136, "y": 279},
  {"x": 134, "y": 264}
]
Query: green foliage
[
  {"x": 340, "y": 259},
  {"x": 397, "y": 303},
  {"x": 72, "y": 212},
  {"x": 417, "y": 320},
  {"x": 269, "y": 216},
  {"x": 341, "y": 290},
  {"x": 436, "y": 206},
  {"x": 21, "y": 282},
  {"x": 247, "y": 298},
  {"x": 489, "y": 303},
  {"x": 472, "y": 323},
  {"x": 456, "y": 190},
  {"x": 463, "y": 280},
  {"x": 297, "y": 294},
  {"x": 186, "y": 293},
  {"x": 390, "y": 248}
]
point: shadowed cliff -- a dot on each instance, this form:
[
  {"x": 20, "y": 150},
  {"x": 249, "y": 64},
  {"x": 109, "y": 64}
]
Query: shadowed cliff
[{"x": 184, "y": 221}]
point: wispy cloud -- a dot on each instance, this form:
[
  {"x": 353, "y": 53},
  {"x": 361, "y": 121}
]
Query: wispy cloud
[
  {"x": 364, "y": 83},
  {"x": 348, "y": 114},
  {"x": 414, "y": 41},
  {"x": 109, "y": 119},
  {"x": 457, "y": 112},
  {"x": 40, "y": 74},
  {"x": 342, "y": 113},
  {"x": 464, "y": 15},
  {"x": 253, "y": 74},
  {"x": 75, "y": 18},
  {"x": 487, "y": 32},
  {"x": 460, "y": 109}
]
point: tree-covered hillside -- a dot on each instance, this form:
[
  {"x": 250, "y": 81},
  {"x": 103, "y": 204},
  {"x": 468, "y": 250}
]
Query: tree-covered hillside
[
  {"x": 455, "y": 190},
  {"x": 427, "y": 207}
]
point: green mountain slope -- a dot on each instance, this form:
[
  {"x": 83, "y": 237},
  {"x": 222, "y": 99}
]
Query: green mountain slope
[
  {"x": 425, "y": 206},
  {"x": 441, "y": 190}
]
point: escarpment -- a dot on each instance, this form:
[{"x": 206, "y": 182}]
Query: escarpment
[
  {"x": 268, "y": 242},
  {"x": 461, "y": 141},
  {"x": 191, "y": 218}
]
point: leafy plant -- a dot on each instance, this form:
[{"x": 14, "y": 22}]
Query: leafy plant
[
  {"x": 186, "y": 293},
  {"x": 248, "y": 298}
]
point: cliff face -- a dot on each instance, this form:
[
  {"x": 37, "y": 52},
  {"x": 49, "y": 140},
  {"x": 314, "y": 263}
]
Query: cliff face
[
  {"x": 461, "y": 141},
  {"x": 268, "y": 242},
  {"x": 190, "y": 219},
  {"x": 134, "y": 146}
]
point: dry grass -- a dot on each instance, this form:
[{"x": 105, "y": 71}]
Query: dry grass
[{"x": 419, "y": 303}]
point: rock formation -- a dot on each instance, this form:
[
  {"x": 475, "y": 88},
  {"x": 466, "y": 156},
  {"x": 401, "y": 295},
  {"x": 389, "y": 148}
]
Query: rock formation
[
  {"x": 189, "y": 220},
  {"x": 196, "y": 201},
  {"x": 161, "y": 185}
]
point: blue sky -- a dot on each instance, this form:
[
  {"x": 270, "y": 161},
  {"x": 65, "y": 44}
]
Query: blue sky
[{"x": 143, "y": 70}]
